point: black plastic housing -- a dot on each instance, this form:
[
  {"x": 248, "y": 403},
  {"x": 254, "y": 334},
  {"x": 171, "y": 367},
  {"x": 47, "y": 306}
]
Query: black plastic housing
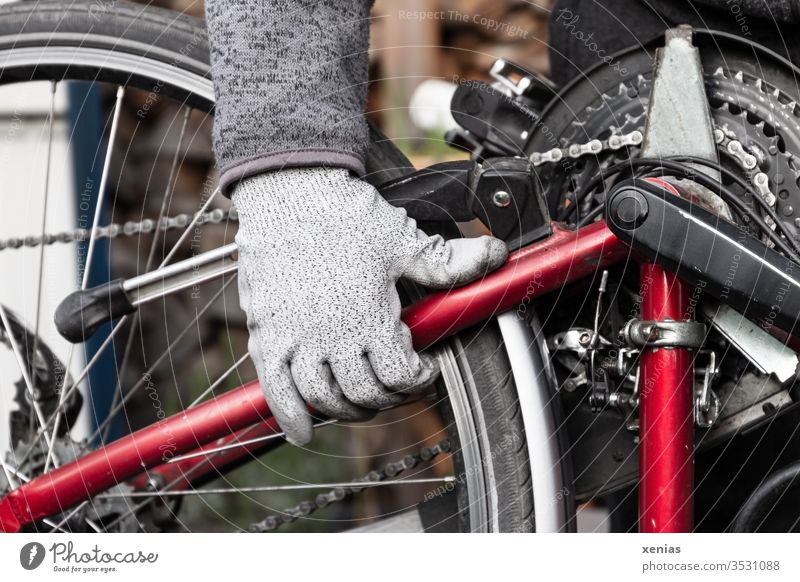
[{"x": 707, "y": 251}]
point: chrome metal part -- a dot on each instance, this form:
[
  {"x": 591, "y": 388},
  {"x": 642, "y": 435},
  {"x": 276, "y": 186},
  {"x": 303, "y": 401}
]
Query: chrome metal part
[
  {"x": 182, "y": 275},
  {"x": 764, "y": 351},
  {"x": 667, "y": 334}
]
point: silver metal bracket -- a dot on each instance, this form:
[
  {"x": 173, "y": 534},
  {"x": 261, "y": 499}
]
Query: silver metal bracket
[
  {"x": 678, "y": 117},
  {"x": 512, "y": 78},
  {"x": 764, "y": 351},
  {"x": 707, "y": 405},
  {"x": 664, "y": 334}
]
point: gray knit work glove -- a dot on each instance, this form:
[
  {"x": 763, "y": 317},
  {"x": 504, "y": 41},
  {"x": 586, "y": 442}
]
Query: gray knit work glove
[{"x": 319, "y": 255}]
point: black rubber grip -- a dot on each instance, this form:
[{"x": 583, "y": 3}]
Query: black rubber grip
[{"x": 81, "y": 313}]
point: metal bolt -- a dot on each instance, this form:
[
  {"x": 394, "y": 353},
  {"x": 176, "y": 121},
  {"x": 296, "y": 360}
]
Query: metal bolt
[
  {"x": 501, "y": 198},
  {"x": 584, "y": 339}
]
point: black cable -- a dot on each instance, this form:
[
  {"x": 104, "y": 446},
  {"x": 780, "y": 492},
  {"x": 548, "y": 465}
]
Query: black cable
[
  {"x": 744, "y": 185},
  {"x": 588, "y": 189},
  {"x": 677, "y": 165},
  {"x": 594, "y": 213},
  {"x": 707, "y": 181},
  {"x": 728, "y": 196}
]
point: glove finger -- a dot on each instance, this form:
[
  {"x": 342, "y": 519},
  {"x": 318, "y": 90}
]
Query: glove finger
[
  {"x": 274, "y": 376},
  {"x": 286, "y": 404},
  {"x": 359, "y": 383},
  {"x": 317, "y": 385},
  {"x": 398, "y": 367},
  {"x": 443, "y": 263}
]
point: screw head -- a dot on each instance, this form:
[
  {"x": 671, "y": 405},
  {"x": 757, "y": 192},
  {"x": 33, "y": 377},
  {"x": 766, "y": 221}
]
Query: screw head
[{"x": 501, "y": 199}]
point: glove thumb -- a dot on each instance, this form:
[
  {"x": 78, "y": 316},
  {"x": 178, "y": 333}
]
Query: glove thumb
[{"x": 445, "y": 264}]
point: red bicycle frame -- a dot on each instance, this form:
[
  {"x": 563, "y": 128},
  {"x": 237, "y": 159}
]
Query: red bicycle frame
[{"x": 242, "y": 416}]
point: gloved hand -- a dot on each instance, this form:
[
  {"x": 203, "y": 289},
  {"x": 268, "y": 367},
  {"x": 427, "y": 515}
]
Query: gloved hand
[{"x": 319, "y": 255}]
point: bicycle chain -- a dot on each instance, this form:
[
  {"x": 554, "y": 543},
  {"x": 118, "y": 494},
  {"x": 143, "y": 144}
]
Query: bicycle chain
[
  {"x": 114, "y": 230},
  {"x": 725, "y": 140},
  {"x": 390, "y": 470}
]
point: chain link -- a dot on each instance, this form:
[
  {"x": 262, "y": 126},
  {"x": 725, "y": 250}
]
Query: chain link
[
  {"x": 593, "y": 147},
  {"x": 390, "y": 470},
  {"x": 114, "y": 230}
]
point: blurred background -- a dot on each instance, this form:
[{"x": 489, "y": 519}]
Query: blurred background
[{"x": 419, "y": 50}]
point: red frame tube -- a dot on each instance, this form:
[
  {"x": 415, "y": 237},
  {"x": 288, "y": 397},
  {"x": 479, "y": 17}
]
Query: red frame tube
[
  {"x": 565, "y": 256},
  {"x": 65, "y": 487},
  {"x": 542, "y": 267},
  {"x": 666, "y": 412},
  {"x": 183, "y": 473}
]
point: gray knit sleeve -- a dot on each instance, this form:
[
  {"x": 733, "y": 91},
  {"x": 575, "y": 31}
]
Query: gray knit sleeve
[{"x": 290, "y": 79}]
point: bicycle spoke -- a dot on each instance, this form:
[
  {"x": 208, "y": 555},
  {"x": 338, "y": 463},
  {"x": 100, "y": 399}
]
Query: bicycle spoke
[
  {"x": 301, "y": 486},
  {"x": 122, "y": 321},
  {"x": 189, "y": 227},
  {"x": 7, "y": 469},
  {"x": 87, "y": 267},
  {"x": 141, "y": 382},
  {"x": 101, "y": 191},
  {"x": 169, "y": 190},
  {"x": 141, "y": 504},
  {"x": 219, "y": 381},
  {"x": 238, "y": 444},
  {"x": 74, "y": 386},
  {"x": 165, "y": 203},
  {"x": 46, "y": 198}
]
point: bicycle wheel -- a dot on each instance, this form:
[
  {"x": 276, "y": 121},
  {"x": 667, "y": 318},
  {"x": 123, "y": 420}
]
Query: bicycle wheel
[{"x": 152, "y": 51}]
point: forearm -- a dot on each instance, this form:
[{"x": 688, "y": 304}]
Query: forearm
[{"x": 290, "y": 79}]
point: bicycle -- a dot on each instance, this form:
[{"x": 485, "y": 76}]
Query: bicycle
[{"x": 514, "y": 390}]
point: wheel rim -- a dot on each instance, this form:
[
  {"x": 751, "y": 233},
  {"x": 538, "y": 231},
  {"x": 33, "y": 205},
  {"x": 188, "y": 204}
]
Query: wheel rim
[{"x": 195, "y": 89}]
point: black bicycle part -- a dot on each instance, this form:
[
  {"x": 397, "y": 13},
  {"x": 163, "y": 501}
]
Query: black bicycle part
[
  {"x": 765, "y": 499},
  {"x": 707, "y": 251},
  {"x": 46, "y": 372},
  {"x": 751, "y": 91},
  {"x": 500, "y": 123},
  {"x": 83, "y": 312}
]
